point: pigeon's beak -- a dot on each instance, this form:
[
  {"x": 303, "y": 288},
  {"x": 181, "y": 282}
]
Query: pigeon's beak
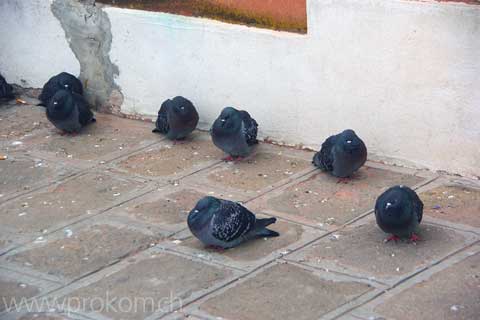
[{"x": 196, "y": 211}]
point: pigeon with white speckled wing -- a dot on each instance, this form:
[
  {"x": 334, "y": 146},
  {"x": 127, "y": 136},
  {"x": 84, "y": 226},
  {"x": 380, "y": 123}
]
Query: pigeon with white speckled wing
[
  {"x": 234, "y": 132},
  {"x": 225, "y": 224}
]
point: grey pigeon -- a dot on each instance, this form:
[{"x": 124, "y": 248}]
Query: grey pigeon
[
  {"x": 341, "y": 154},
  {"x": 225, "y": 224},
  {"x": 399, "y": 211},
  {"x": 69, "y": 111},
  {"x": 177, "y": 118},
  {"x": 234, "y": 132},
  {"x": 6, "y": 90},
  {"x": 62, "y": 81}
]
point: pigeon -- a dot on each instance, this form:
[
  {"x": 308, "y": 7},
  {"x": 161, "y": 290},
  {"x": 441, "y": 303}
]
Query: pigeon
[
  {"x": 177, "y": 118},
  {"x": 6, "y": 90},
  {"x": 69, "y": 111},
  {"x": 341, "y": 154},
  {"x": 225, "y": 224},
  {"x": 63, "y": 80},
  {"x": 234, "y": 132},
  {"x": 399, "y": 211}
]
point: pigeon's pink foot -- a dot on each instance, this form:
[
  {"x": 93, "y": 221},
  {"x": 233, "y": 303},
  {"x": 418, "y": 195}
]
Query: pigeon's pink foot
[
  {"x": 414, "y": 238},
  {"x": 238, "y": 159},
  {"x": 392, "y": 237},
  {"x": 227, "y": 159},
  {"x": 343, "y": 180}
]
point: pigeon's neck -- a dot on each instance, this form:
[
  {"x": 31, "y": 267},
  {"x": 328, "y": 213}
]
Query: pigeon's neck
[{"x": 199, "y": 219}]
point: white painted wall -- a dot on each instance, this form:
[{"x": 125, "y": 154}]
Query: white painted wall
[
  {"x": 32, "y": 43},
  {"x": 404, "y": 74}
]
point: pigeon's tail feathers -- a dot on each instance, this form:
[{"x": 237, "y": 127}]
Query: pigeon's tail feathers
[
  {"x": 266, "y": 233},
  {"x": 262, "y": 231},
  {"x": 262, "y": 223}
]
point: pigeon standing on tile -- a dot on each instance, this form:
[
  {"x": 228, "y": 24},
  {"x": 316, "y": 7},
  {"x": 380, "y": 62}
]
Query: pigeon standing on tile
[
  {"x": 225, "y": 224},
  {"x": 177, "y": 118},
  {"x": 341, "y": 154},
  {"x": 69, "y": 111},
  {"x": 399, "y": 211},
  {"x": 235, "y": 132},
  {"x": 6, "y": 90},
  {"x": 62, "y": 81}
]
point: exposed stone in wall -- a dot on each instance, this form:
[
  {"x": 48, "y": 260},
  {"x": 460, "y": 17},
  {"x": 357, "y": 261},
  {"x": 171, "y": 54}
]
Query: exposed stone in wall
[{"x": 87, "y": 29}]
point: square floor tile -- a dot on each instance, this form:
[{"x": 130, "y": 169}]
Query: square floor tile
[
  {"x": 456, "y": 204},
  {"x": 108, "y": 138},
  {"x": 76, "y": 252},
  {"x": 61, "y": 203},
  {"x": 21, "y": 121},
  {"x": 359, "y": 250},
  {"x": 453, "y": 293},
  {"x": 283, "y": 292},
  {"x": 166, "y": 208},
  {"x": 21, "y": 174},
  {"x": 16, "y": 288},
  {"x": 253, "y": 253},
  {"x": 320, "y": 200},
  {"x": 172, "y": 160},
  {"x": 264, "y": 170},
  {"x": 156, "y": 283}
]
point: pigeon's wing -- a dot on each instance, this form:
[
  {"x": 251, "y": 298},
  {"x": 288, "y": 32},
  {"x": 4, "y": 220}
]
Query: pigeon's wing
[
  {"x": 250, "y": 128},
  {"x": 232, "y": 221},
  {"x": 162, "y": 120},
  {"x": 325, "y": 156},
  {"x": 84, "y": 112},
  {"x": 77, "y": 86},
  {"x": 49, "y": 90},
  {"x": 416, "y": 203}
]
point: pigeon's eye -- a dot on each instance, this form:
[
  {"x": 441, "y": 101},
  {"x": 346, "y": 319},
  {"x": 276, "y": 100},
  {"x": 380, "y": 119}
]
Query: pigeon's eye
[
  {"x": 223, "y": 120},
  {"x": 349, "y": 141},
  {"x": 196, "y": 211},
  {"x": 55, "y": 102},
  {"x": 66, "y": 85},
  {"x": 388, "y": 205},
  {"x": 182, "y": 107}
]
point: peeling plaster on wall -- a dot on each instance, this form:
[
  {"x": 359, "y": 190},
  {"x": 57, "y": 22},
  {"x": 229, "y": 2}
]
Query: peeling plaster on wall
[{"x": 87, "y": 29}]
